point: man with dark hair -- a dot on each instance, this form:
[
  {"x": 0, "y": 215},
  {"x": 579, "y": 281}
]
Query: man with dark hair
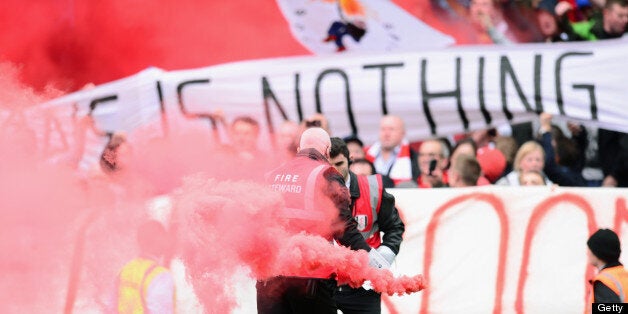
[
  {"x": 309, "y": 185},
  {"x": 375, "y": 213},
  {"x": 611, "y": 283}
]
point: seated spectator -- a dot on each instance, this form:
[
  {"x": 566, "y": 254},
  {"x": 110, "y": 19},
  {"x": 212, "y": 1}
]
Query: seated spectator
[
  {"x": 550, "y": 27},
  {"x": 530, "y": 156},
  {"x": 243, "y": 136},
  {"x": 362, "y": 167},
  {"x": 508, "y": 146},
  {"x": 530, "y": 178},
  {"x": 563, "y": 160},
  {"x": 391, "y": 154},
  {"x": 488, "y": 17},
  {"x": 365, "y": 167},
  {"x": 243, "y": 152},
  {"x": 287, "y": 139},
  {"x": 464, "y": 171},
  {"x": 466, "y": 146},
  {"x": 317, "y": 120},
  {"x": 433, "y": 162},
  {"x": 356, "y": 147}
]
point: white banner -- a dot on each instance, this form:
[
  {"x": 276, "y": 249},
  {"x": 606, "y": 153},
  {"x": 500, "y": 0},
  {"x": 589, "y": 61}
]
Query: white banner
[
  {"x": 498, "y": 249},
  {"x": 503, "y": 250},
  {"x": 437, "y": 92}
]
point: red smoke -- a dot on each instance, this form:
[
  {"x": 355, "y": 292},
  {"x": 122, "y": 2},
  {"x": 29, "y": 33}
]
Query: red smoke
[
  {"x": 66, "y": 234},
  {"x": 69, "y": 43},
  {"x": 222, "y": 228}
]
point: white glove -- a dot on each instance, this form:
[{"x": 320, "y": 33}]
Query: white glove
[
  {"x": 387, "y": 253},
  {"x": 376, "y": 260}
]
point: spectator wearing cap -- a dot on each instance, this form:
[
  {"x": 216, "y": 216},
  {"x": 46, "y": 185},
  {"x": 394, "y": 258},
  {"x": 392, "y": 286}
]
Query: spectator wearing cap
[
  {"x": 610, "y": 285},
  {"x": 530, "y": 156}
]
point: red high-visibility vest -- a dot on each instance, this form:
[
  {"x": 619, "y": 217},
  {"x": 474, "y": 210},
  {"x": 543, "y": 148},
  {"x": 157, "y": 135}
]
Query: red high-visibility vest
[
  {"x": 366, "y": 208},
  {"x": 306, "y": 209}
]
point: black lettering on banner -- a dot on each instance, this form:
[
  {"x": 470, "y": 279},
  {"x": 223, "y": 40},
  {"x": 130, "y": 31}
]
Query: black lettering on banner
[
  {"x": 593, "y": 102},
  {"x": 487, "y": 115},
  {"x": 505, "y": 69},
  {"x": 97, "y": 102},
  {"x": 427, "y": 96},
  {"x": 268, "y": 93},
  {"x": 162, "y": 107},
  {"x": 382, "y": 84},
  {"x": 190, "y": 115},
  {"x": 297, "y": 95},
  {"x": 559, "y": 92},
  {"x": 319, "y": 79},
  {"x": 180, "y": 96},
  {"x": 538, "y": 100}
]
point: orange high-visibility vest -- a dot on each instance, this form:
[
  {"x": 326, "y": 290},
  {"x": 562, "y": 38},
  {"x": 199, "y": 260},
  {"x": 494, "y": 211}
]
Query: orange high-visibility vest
[
  {"x": 134, "y": 280},
  {"x": 616, "y": 278}
]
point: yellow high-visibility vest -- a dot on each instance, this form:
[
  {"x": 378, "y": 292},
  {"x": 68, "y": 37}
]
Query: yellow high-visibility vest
[{"x": 134, "y": 280}]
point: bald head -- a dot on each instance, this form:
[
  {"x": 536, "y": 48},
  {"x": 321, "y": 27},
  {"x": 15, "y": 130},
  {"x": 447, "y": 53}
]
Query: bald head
[
  {"x": 392, "y": 130},
  {"x": 317, "y": 139}
]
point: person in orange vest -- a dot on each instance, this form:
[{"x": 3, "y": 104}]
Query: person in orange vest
[
  {"x": 144, "y": 284},
  {"x": 316, "y": 200},
  {"x": 377, "y": 220},
  {"x": 610, "y": 285}
]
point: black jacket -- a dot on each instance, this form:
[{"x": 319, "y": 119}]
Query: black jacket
[
  {"x": 604, "y": 294},
  {"x": 388, "y": 218}
]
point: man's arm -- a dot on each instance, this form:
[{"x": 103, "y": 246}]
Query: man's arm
[
  {"x": 390, "y": 223},
  {"x": 339, "y": 194}
]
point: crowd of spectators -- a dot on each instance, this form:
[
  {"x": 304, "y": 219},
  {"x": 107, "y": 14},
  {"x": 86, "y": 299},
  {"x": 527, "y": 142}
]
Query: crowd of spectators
[
  {"x": 555, "y": 155},
  {"x": 517, "y": 21}
]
